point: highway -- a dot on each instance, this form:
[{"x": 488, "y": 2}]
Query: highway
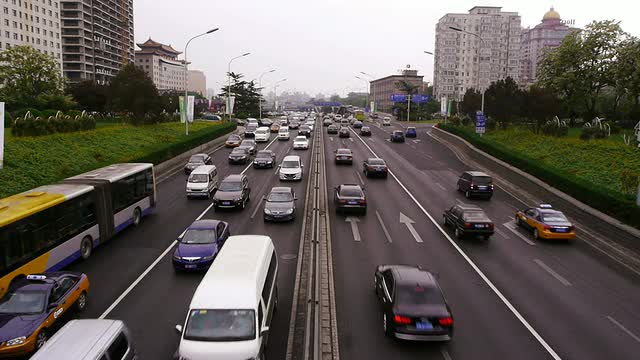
[
  {"x": 512, "y": 297},
  {"x": 161, "y": 298}
]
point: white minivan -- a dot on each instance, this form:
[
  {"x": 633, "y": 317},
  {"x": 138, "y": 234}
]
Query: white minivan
[
  {"x": 231, "y": 310},
  {"x": 262, "y": 134},
  {"x": 283, "y": 133},
  {"x": 291, "y": 168},
  {"x": 202, "y": 181}
]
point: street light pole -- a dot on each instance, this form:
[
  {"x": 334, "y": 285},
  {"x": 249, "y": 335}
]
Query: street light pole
[
  {"x": 366, "y": 82},
  {"x": 260, "y": 82},
  {"x": 186, "y": 79},
  {"x": 275, "y": 94},
  {"x": 478, "y": 81},
  {"x": 228, "y": 107}
]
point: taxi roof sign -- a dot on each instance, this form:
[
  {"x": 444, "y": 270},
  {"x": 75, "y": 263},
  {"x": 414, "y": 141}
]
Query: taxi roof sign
[
  {"x": 36, "y": 277},
  {"x": 546, "y": 206}
]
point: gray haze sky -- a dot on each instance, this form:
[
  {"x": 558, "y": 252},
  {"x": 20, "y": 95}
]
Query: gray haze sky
[{"x": 320, "y": 46}]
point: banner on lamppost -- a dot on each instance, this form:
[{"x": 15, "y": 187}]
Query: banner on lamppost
[
  {"x": 190, "y": 105},
  {"x": 229, "y": 107},
  {"x": 372, "y": 106},
  {"x": 1, "y": 135},
  {"x": 443, "y": 106},
  {"x": 183, "y": 109},
  {"x": 186, "y": 112}
]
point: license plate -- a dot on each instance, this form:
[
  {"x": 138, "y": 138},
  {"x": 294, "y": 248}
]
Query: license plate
[
  {"x": 343, "y": 158},
  {"x": 353, "y": 202},
  {"x": 479, "y": 226},
  {"x": 482, "y": 187},
  {"x": 424, "y": 326},
  {"x": 379, "y": 169},
  {"x": 190, "y": 266},
  {"x": 262, "y": 163},
  {"x": 226, "y": 203},
  {"x": 561, "y": 230}
]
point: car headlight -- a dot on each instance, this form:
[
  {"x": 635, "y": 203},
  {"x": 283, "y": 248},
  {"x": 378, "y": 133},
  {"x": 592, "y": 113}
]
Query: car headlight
[
  {"x": 177, "y": 257},
  {"x": 289, "y": 211},
  {"x": 207, "y": 258},
  {"x": 267, "y": 211},
  {"x": 16, "y": 341},
  {"x": 238, "y": 200}
]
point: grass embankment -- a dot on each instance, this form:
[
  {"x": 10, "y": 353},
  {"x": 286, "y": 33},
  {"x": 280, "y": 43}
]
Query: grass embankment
[
  {"x": 590, "y": 171},
  {"x": 33, "y": 161}
]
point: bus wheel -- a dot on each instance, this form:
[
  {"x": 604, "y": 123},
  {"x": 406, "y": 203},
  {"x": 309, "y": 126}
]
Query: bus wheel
[
  {"x": 86, "y": 248},
  {"x": 137, "y": 216}
]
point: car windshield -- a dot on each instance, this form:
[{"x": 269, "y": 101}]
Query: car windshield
[
  {"x": 555, "y": 216},
  {"x": 239, "y": 151},
  {"x": 419, "y": 295},
  {"x": 263, "y": 155},
  {"x": 198, "y": 178},
  {"x": 221, "y": 325},
  {"x": 411, "y": 129},
  {"x": 196, "y": 159},
  {"x": 305, "y": 127},
  {"x": 251, "y": 127},
  {"x": 365, "y": 128},
  {"x": 230, "y": 186},
  {"x": 290, "y": 164},
  {"x": 246, "y": 143},
  {"x": 482, "y": 180},
  {"x": 280, "y": 197},
  {"x": 351, "y": 192},
  {"x": 300, "y": 138},
  {"x": 397, "y": 132},
  {"x": 343, "y": 152},
  {"x": 199, "y": 236},
  {"x": 233, "y": 138},
  {"x": 23, "y": 302},
  {"x": 474, "y": 215},
  {"x": 376, "y": 162}
]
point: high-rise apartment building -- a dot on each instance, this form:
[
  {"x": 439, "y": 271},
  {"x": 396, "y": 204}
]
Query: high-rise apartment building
[
  {"x": 485, "y": 48},
  {"x": 161, "y": 63},
  {"x": 97, "y": 38},
  {"x": 546, "y": 35},
  {"x": 197, "y": 82},
  {"x": 34, "y": 23}
]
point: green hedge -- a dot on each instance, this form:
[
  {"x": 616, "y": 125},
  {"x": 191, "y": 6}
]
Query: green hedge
[
  {"x": 610, "y": 202},
  {"x": 34, "y": 161}
]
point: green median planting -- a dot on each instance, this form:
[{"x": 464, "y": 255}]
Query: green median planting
[
  {"x": 31, "y": 161},
  {"x": 600, "y": 173}
]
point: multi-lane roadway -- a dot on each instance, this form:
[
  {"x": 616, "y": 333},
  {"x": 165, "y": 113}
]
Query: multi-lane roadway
[{"x": 512, "y": 297}]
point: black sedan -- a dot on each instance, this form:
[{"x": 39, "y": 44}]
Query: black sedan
[
  {"x": 375, "y": 167},
  {"x": 280, "y": 204},
  {"x": 240, "y": 155},
  {"x": 350, "y": 197},
  {"x": 344, "y": 156},
  {"x": 344, "y": 132},
  {"x": 365, "y": 131},
  {"x": 304, "y": 130},
  {"x": 233, "y": 192},
  {"x": 468, "y": 219},
  {"x": 264, "y": 159},
  {"x": 414, "y": 307},
  {"x": 251, "y": 144},
  {"x": 397, "y": 136},
  {"x": 332, "y": 129}
]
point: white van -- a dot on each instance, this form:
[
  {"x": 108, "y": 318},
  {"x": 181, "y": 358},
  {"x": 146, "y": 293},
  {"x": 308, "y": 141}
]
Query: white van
[
  {"x": 283, "y": 133},
  {"x": 262, "y": 134},
  {"x": 89, "y": 339},
  {"x": 202, "y": 181},
  {"x": 231, "y": 310},
  {"x": 291, "y": 168}
]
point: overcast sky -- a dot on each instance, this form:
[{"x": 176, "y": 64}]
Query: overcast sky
[{"x": 320, "y": 46}]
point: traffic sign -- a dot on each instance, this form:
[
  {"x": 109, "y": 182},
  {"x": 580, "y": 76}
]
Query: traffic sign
[
  {"x": 398, "y": 98},
  {"x": 420, "y": 98},
  {"x": 481, "y": 122}
]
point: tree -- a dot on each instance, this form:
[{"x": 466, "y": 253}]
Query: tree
[
  {"x": 471, "y": 103},
  {"x": 89, "y": 95},
  {"x": 247, "y": 97},
  {"x": 29, "y": 78},
  {"x": 503, "y": 100},
  {"x": 627, "y": 72},
  {"x": 539, "y": 106},
  {"x": 131, "y": 90}
]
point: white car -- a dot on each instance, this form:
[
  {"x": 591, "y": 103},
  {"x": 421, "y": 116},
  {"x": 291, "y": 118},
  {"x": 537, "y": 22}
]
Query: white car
[
  {"x": 291, "y": 168},
  {"x": 262, "y": 134},
  {"x": 283, "y": 133},
  {"x": 386, "y": 121},
  {"x": 310, "y": 124},
  {"x": 301, "y": 142},
  {"x": 252, "y": 121}
]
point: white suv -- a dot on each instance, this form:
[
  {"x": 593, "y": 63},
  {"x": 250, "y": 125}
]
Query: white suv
[{"x": 291, "y": 168}]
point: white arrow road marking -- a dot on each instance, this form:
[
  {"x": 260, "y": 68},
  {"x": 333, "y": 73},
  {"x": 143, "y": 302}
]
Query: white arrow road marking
[
  {"x": 512, "y": 226},
  {"x": 404, "y": 219},
  {"x": 331, "y": 138},
  {"x": 354, "y": 227},
  {"x": 440, "y": 186},
  {"x": 350, "y": 139},
  {"x": 384, "y": 228},
  {"x": 416, "y": 141}
]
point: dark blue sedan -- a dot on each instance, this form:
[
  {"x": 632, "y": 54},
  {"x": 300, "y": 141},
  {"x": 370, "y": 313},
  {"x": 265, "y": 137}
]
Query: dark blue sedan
[
  {"x": 200, "y": 244},
  {"x": 411, "y": 132}
]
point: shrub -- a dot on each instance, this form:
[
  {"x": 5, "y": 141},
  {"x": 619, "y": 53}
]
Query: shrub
[
  {"x": 553, "y": 129},
  {"x": 23, "y": 112},
  {"x": 48, "y": 112},
  {"x": 629, "y": 181}
]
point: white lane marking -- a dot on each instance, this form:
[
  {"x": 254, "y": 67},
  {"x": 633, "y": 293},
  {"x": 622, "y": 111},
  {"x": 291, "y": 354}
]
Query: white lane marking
[
  {"x": 277, "y": 170},
  {"x": 404, "y": 219},
  {"x": 416, "y": 141},
  {"x": 445, "y": 354},
  {"x": 475, "y": 267},
  {"x": 354, "y": 227},
  {"x": 350, "y": 139},
  {"x": 384, "y": 228},
  {"x": 512, "y": 227},
  {"x": 371, "y": 139},
  {"x": 459, "y": 201},
  {"x": 501, "y": 233},
  {"x": 616, "y": 323},
  {"x": 360, "y": 178},
  {"x": 440, "y": 186},
  {"x": 144, "y": 273},
  {"x": 546, "y": 268},
  {"x": 253, "y": 214}
]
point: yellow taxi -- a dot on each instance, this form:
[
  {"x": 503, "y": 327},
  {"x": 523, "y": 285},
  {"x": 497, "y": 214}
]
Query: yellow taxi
[
  {"x": 546, "y": 223},
  {"x": 275, "y": 127}
]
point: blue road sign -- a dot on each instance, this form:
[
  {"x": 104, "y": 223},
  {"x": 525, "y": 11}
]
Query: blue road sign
[
  {"x": 327, "y": 103},
  {"x": 420, "y": 98},
  {"x": 398, "y": 98},
  {"x": 481, "y": 122}
]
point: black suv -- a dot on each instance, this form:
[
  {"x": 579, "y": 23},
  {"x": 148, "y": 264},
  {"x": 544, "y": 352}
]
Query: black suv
[
  {"x": 233, "y": 192},
  {"x": 468, "y": 219},
  {"x": 397, "y": 136},
  {"x": 350, "y": 197},
  {"x": 475, "y": 183}
]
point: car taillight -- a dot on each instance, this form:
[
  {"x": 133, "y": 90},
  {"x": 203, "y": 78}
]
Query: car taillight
[
  {"x": 363, "y": 201},
  {"x": 447, "y": 321},
  {"x": 491, "y": 186},
  {"x": 490, "y": 225},
  {"x": 467, "y": 225},
  {"x": 369, "y": 167},
  {"x": 343, "y": 201},
  {"x": 471, "y": 184},
  {"x": 402, "y": 320}
]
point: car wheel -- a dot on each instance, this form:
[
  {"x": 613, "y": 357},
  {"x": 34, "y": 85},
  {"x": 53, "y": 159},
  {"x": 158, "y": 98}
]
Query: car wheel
[
  {"x": 458, "y": 233},
  {"x": 487, "y": 237},
  {"x": 86, "y": 248},
  {"x": 518, "y": 223},
  {"x": 536, "y": 235},
  {"x": 444, "y": 221},
  {"x": 366, "y": 173},
  {"x": 386, "y": 326},
  {"x": 467, "y": 194},
  {"x": 81, "y": 303},
  {"x": 137, "y": 216},
  {"x": 243, "y": 204},
  {"x": 275, "y": 302},
  {"x": 41, "y": 339},
  {"x": 459, "y": 189}
]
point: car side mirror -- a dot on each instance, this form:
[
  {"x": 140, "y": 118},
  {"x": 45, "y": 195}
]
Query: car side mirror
[
  {"x": 264, "y": 331},
  {"x": 264, "y": 198},
  {"x": 179, "y": 329},
  {"x": 295, "y": 198}
]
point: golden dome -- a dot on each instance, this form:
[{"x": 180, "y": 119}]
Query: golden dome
[{"x": 551, "y": 15}]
